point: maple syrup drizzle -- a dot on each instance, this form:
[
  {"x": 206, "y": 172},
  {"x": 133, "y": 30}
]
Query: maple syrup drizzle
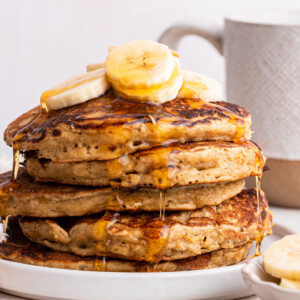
[
  {"x": 260, "y": 235},
  {"x": 7, "y": 187},
  {"x": 121, "y": 203},
  {"x": 100, "y": 264},
  {"x": 259, "y": 163},
  {"x": 16, "y": 160},
  {"x": 162, "y": 204},
  {"x": 100, "y": 233},
  {"x": 157, "y": 234},
  {"x": 151, "y": 267}
]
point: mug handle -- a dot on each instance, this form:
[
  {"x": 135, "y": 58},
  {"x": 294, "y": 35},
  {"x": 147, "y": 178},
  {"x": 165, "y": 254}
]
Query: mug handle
[{"x": 173, "y": 35}]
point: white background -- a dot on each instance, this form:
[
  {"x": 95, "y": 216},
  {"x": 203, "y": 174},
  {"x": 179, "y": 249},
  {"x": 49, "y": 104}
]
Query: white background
[{"x": 44, "y": 42}]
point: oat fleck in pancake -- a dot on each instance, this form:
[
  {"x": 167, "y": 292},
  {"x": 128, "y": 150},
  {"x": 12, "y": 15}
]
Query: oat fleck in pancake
[
  {"x": 162, "y": 167},
  {"x": 49, "y": 200},
  {"x": 19, "y": 249},
  {"x": 144, "y": 237},
  {"x": 109, "y": 127}
]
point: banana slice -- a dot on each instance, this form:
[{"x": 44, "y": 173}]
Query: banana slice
[
  {"x": 199, "y": 87},
  {"x": 174, "y": 53},
  {"x": 75, "y": 90},
  {"x": 282, "y": 258},
  {"x": 290, "y": 284},
  {"x": 158, "y": 93},
  {"x": 139, "y": 65},
  {"x": 95, "y": 66}
]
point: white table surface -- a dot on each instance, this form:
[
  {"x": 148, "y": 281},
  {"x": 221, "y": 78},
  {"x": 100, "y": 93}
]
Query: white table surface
[{"x": 289, "y": 217}]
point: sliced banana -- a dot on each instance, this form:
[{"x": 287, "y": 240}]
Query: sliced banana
[
  {"x": 94, "y": 66},
  {"x": 158, "y": 93},
  {"x": 282, "y": 258},
  {"x": 75, "y": 90},
  {"x": 139, "y": 65},
  {"x": 290, "y": 284},
  {"x": 196, "y": 86},
  {"x": 174, "y": 53}
]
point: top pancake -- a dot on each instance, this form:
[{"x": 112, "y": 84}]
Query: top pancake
[{"x": 109, "y": 127}]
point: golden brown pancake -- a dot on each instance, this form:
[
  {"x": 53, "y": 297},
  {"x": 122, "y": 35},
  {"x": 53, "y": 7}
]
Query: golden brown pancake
[
  {"x": 19, "y": 249},
  {"x": 145, "y": 237},
  {"x": 50, "y": 200},
  {"x": 109, "y": 127},
  {"x": 161, "y": 167}
]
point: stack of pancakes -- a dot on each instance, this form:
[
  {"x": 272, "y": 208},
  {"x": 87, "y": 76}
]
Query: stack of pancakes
[{"x": 113, "y": 185}]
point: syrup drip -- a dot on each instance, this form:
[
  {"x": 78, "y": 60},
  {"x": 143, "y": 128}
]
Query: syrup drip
[
  {"x": 8, "y": 186},
  {"x": 152, "y": 120},
  {"x": 5, "y": 223},
  {"x": 156, "y": 233},
  {"x": 240, "y": 129},
  {"x": 100, "y": 233},
  {"x": 260, "y": 235},
  {"x": 100, "y": 264},
  {"x": 4, "y": 197},
  {"x": 151, "y": 267},
  {"x": 259, "y": 162},
  {"x": 121, "y": 203},
  {"x": 16, "y": 160},
  {"x": 162, "y": 204},
  {"x": 23, "y": 131}
]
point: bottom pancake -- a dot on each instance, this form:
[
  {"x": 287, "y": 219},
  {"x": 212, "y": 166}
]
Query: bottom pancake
[
  {"x": 145, "y": 237},
  {"x": 19, "y": 249}
]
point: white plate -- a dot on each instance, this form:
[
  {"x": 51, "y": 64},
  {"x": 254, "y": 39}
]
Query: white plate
[{"x": 46, "y": 283}]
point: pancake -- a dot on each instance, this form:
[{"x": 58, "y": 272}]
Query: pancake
[
  {"x": 50, "y": 200},
  {"x": 19, "y": 249},
  {"x": 145, "y": 237},
  {"x": 161, "y": 167},
  {"x": 109, "y": 127}
]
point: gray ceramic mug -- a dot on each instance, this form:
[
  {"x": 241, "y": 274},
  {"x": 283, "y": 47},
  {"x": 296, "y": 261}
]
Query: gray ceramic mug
[{"x": 262, "y": 57}]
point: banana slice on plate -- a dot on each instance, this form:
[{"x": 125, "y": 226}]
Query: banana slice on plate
[
  {"x": 75, "y": 90},
  {"x": 196, "y": 86},
  {"x": 290, "y": 284},
  {"x": 144, "y": 71},
  {"x": 282, "y": 258}
]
